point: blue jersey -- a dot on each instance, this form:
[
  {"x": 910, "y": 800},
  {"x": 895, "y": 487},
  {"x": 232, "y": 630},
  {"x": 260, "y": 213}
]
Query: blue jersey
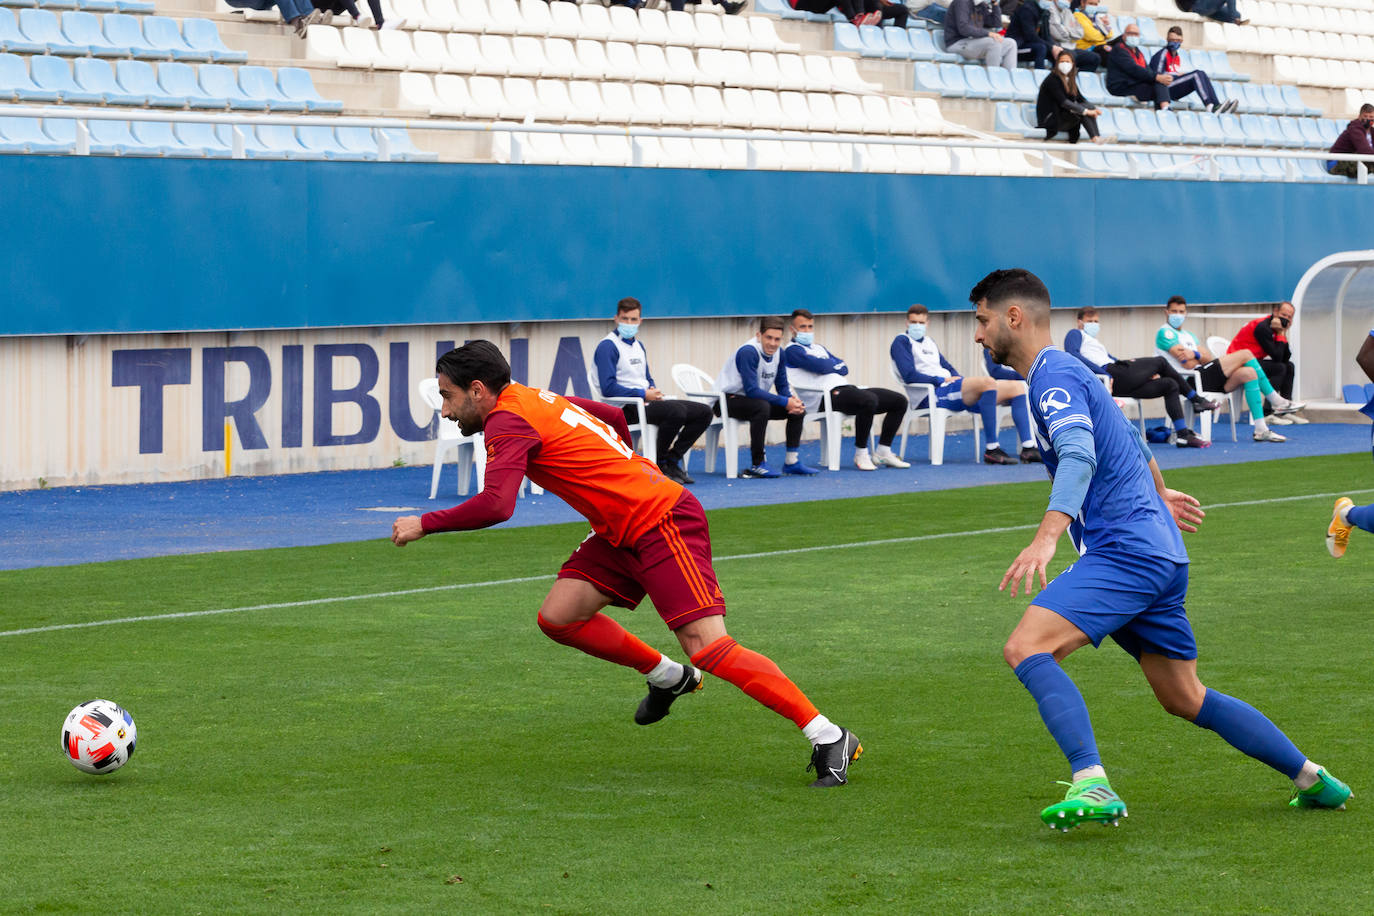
[{"x": 1122, "y": 509}]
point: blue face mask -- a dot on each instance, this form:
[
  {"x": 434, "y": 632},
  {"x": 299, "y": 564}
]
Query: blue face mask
[
  {"x": 1063, "y": 4},
  {"x": 916, "y": 331},
  {"x": 627, "y": 331},
  {"x": 1176, "y": 321},
  {"x": 1091, "y": 328},
  {"x": 1132, "y": 41},
  {"x": 805, "y": 338},
  {"x": 1174, "y": 45}
]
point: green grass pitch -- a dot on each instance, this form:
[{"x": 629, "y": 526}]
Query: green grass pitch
[{"x": 433, "y": 752}]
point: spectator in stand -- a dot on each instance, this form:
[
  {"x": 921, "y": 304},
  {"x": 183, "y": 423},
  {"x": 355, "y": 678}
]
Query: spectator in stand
[
  {"x": 1358, "y": 137},
  {"x": 1129, "y": 73},
  {"x": 1067, "y": 32},
  {"x": 1220, "y": 10},
  {"x": 813, "y": 369},
  {"x": 295, "y": 13},
  {"x": 1028, "y": 31},
  {"x": 974, "y": 32},
  {"x": 1061, "y": 107},
  {"x": 855, "y": 11},
  {"x": 1225, "y": 373},
  {"x": 1166, "y": 60},
  {"x": 622, "y": 367},
  {"x": 1144, "y": 378},
  {"x": 326, "y": 10},
  {"x": 754, "y": 381},
  {"x": 1266, "y": 339},
  {"x": 919, "y": 362}
]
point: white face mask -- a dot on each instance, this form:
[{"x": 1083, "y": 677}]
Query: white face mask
[
  {"x": 1065, "y": 67},
  {"x": 1091, "y": 328},
  {"x": 916, "y": 331}
]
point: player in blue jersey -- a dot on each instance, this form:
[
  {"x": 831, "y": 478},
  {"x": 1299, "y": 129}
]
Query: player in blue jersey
[
  {"x": 1347, "y": 516},
  {"x": 1132, "y": 577}
]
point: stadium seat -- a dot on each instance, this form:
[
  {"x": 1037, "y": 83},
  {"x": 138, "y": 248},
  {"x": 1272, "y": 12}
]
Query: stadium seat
[
  {"x": 179, "y": 80},
  {"x": 163, "y": 34},
  {"x": 847, "y": 77},
  {"x": 320, "y": 142},
  {"x": 40, "y": 29},
  {"x": 1190, "y": 127},
  {"x": 1111, "y": 163},
  {"x": 621, "y": 63},
  {"x": 847, "y": 39},
  {"x": 158, "y": 135},
  {"x": 203, "y": 137},
  {"x": 17, "y": 86},
  {"x": 921, "y": 404},
  {"x": 923, "y": 47},
  {"x": 877, "y": 115},
  {"x": 1170, "y": 128},
  {"x": 696, "y": 385},
  {"x": 261, "y": 83},
  {"x": 679, "y": 108},
  {"x": 324, "y": 43},
  {"x": 1295, "y": 103},
  {"x": 137, "y": 77},
  {"x": 1230, "y": 127},
  {"x": 28, "y": 135},
  {"x": 1028, "y": 90},
  {"x": 1312, "y": 135},
  {"x": 999, "y": 79},
  {"x": 82, "y": 28},
  {"x": 397, "y": 48},
  {"x": 976, "y": 78},
  {"x": 450, "y": 94},
  {"x": 792, "y": 73},
  {"x": 97, "y": 76},
  {"x": 709, "y": 106},
  {"x": 295, "y": 84},
  {"x": 1010, "y": 118},
  {"x": 124, "y": 31},
  {"x": 503, "y": 17},
  {"x": 682, "y": 66},
  {"x": 277, "y": 141},
  {"x": 116, "y": 138},
  {"x": 649, "y": 107},
  {"x": 54, "y": 73},
  {"x": 218, "y": 80}
]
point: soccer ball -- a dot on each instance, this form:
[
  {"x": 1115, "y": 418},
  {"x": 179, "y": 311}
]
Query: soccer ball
[{"x": 98, "y": 736}]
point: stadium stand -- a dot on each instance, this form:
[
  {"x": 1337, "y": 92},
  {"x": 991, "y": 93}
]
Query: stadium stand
[{"x": 527, "y": 64}]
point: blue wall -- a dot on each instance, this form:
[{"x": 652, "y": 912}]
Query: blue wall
[{"x": 142, "y": 245}]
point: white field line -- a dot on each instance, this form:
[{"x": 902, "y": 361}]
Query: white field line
[{"x": 523, "y": 579}]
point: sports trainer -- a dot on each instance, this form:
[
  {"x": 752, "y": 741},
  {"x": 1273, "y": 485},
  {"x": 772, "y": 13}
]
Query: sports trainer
[
  {"x": 1132, "y": 578},
  {"x": 649, "y": 536}
]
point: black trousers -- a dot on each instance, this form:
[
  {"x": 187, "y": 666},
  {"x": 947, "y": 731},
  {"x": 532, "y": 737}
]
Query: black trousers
[
  {"x": 1280, "y": 376},
  {"x": 680, "y": 424},
  {"x": 863, "y": 403},
  {"x": 1069, "y": 123},
  {"x": 1132, "y": 378},
  {"x": 848, "y": 8},
  {"x": 757, "y": 412}
]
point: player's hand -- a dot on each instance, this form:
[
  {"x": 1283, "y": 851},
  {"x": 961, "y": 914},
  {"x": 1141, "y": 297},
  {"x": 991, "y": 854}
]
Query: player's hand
[
  {"x": 1186, "y": 510},
  {"x": 795, "y": 405},
  {"x": 405, "y": 529},
  {"x": 653, "y": 394},
  {"x": 1029, "y": 564}
]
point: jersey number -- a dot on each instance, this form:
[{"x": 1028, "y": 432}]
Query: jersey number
[{"x": 575, "y": 416}]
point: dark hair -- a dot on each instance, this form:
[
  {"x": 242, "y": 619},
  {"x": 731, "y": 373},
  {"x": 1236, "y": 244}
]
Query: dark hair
[
  {"x": 771, "y": 323},
  {"x": 476, "y": 360},
  {"x": 628, "y": 304},
  {"x": 802, "y": 313},
  {"x": 1174, "y": 30},
  {"x": 1366, "y": 108},
  {"x": 1070, "y": 79},
  {"x": 917, "y": 309},
  {"x": 1012, "y": 283},
  {"x": 1172, "y": 299},
  {"x": 1088, "y": 310}
]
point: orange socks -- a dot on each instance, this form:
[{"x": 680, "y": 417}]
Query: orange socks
[
  {"x": 604, "y": 638},
  {"x": 757, "y": 676}
]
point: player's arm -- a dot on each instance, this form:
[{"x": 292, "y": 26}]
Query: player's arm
[
  {"x": 900, "y": 353},
  {"x": 794, "y": 356},
  {"x": 1168, "y": 340},
  {"x": 1077, "y": 464},
  {"x": 605, "y": 357},
  {"x": 1365, "y": 358},
  {"x": 509, "y": 441},
  {"x": 609, "y": 414}
]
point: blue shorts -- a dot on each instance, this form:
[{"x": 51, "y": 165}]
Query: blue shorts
[
  {"x": 950, "y": 396},
  {"x": 1136, "y": 600}
]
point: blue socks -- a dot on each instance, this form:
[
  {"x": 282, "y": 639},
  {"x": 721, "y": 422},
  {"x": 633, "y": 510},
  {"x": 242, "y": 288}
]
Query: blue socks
[
  {"x": 1179, "y": 425},
  {"x": 1021, "y": 417},
  {"x": 1247, "y": 730},
  {"x": 987, "y": 409},
  {"x": 1063, "y": 710},
  {"x": 1361, "y": 517}
]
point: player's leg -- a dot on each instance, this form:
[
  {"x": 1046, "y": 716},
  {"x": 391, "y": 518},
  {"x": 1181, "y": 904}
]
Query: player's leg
[
  {"x": 979, "y": 393},
  {"x": 571, "y": 615},
  {"x": 1237, "y": 374},
  {"x": 792, "y": 434},
  {"x": 1346, "y": 517},
  {"x": 861, "y": 404},
  {"x": 1013, "y": 392},
  {"x": 1176, "y": 686},
  {"x": 696, "y": 420},
  {"x": 755, "y": 412},
  {"x": 893, "y": 408},
  {"x": 668, "y": 416}
]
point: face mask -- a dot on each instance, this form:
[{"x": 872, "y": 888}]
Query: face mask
[
  {"x": 1091, "y": 328},
  {"x": 916, "y": 331},
  {"x": 1285, "y": 321},
  {"x": 1063, "y": 4},
  {"x": 1176, "y": 321},
  {"x": 805, "y": 338},
  {"x": 1174, "y": 45},
  {"x": 1065, "y": 67},
  {"x": 1132, "y": 41},
  {"x": 627, "y": 331}
]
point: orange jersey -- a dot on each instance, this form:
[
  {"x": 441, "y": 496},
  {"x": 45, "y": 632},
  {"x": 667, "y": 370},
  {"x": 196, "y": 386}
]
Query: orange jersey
[{"x": 579, "y": 458}]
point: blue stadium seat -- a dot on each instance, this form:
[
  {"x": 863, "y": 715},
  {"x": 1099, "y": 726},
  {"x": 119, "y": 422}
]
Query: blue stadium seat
[
  {"x": 54, "y": 73},
  {"x": 1147, "y": 125},
  {"x": 159, "y": 135},
  {"x": 277, "y": 141},
  {"x": 1011, "y": 119},
  {"x": 1212, "y": 134},
  {"x": 1090, "y": 84},
  {"x": 116, "y": 136},
  {"x": 847, "y": 38},
  {"x": 1124, "y": 124},
  {"x": 1278, "y": 105},
  {"x": 1027, "y": 87},
  {"x": 125, "y": 32},
  {"x": 923, "y": 46},
  {"x": 18, "y": 3},
  {"x": 26, "y": 135},
  {"x": 358, "y": 140},
  {"x": 203, "y": 137},
  {"x": 95, "y": 75},
  {"x": 942, "y": 54},
  {"x": 57, "y": 4},
  {"x": 1221, "y": 68},
  {"x": 777, "y": 8},
  {"x": 64, "y": 131},
  {"x": 1000, "y": 79},
  {"x": 84, "y": 29},
  {"x": 1149, "y": 33},
  {"x": 138, "y": 78},
  {"x": 872, "y": 41},
  {"x": 219, "y": 80},
  {"x": 1312, "y": 133},
  {"x": 322, "y": 144},
  {"x": 164, "y": 34},
  {"x": 42, "y": 28},
  {"x": 1250, "y": 166},
  {"x": 953, "y": 82},
  {"x": 1253, "y": 127},
  {"x": 1273, "y": 135},
  {"x": 98, "y": 6},
  {"x": 898, "y": 44},
  {"x": 261, "y": 83},
  {"x": 1170, "y": 130},
  {"x": 1231, "y": 129},
  {"x": 1190, "y": 127},
  {"x": 1292, "y": 133},
  {"x": 976, "y": 78},
  {"x": 1272, "y": 168},
  {"x": 401, "y": 147},
  {"x": 1098, "y": 161},
  {"x": 134, "y": 6},
  {"x": 17, "y": 86},
  {"x": 1295, "y": 103},
  {"x": 295, "y": 84},
  {"x": 203, "y": 35},
  {"x": 178, "y": 79},
  {"x": 928, "y": 78}
]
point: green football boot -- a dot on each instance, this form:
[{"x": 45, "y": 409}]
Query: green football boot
[
  {"x": 1326, "y": 792},
  {"x": 1087, "y": 800}
]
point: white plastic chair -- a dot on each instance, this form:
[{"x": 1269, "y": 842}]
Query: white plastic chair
[
  {"x": 697, "y": 385},
  {"x": 831, "y": 421},
  {"x": 646, "y": 431},
  {"x": 470, "y": 451},
  {"x": 938, "y": 417},
  {"x": 1235, "y": 401}
]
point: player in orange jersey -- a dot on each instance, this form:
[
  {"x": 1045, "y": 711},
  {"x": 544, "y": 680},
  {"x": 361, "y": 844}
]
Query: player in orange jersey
[{"x": 649, "y": 536}]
